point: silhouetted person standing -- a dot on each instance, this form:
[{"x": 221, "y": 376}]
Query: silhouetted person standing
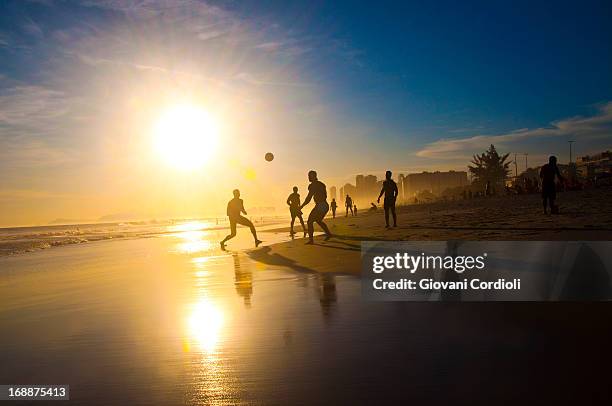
[
  {"x": 390, "y": 191},
  {"x": 234, "y": 209},
  {"x": 334, "y": 205},
  {"x": 354, "y": 210},
  {"x": 318, "y": 191},
  {"x": 549, "y": 191},
  {"x": 348, "y": 203},
  {"x": 294, "y": 208}
]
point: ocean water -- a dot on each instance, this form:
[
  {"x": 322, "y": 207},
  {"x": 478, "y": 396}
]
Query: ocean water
[
  {"x": 172, "y": 319},
  {"x": 21, "y": 240}
]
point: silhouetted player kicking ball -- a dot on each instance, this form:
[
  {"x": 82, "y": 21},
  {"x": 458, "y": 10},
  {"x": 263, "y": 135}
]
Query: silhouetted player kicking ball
[
  {"x": 234, "y": 209},
  {"x": 316, "y": 190},
  {"x": 389, "y": 189},
  {"x": 549, "y": 191},
  {"x": 294, "y": 208}
]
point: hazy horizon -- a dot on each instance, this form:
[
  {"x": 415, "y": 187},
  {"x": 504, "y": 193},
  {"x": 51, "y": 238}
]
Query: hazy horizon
[{"x": 92, "y": 94}]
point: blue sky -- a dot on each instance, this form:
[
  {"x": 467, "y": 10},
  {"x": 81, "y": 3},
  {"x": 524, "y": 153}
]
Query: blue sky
[
  {"x": 461, "y": 65},
  {"x": 412, "y": 86}
]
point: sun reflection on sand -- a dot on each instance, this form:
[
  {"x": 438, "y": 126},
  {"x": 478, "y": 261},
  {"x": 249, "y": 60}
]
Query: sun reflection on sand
[
  {"x": 207, "y": 318},
  {"x": 204, "y": 327},
  {"x": 204, "y": 324}
]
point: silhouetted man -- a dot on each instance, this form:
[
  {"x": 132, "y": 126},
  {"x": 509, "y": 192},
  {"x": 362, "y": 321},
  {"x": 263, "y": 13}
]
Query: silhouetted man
[
  {"x": 294, "y": 208},
  {"x": 234, "y": 209},
  {"x": 389, "y": 189},
  {"x": 549, "y": 191},
  {"x": 334, "y": 205},
  {"x": 317, "y": 190},
  {"x": 348, "y": 202}
]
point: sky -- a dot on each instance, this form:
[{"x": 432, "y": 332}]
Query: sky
[{"x": 340, "y": 87}]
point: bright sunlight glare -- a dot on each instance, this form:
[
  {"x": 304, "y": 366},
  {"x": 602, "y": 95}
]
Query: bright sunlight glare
[
  {"x": 186, "y": 137},
  {"x": 205, "y": 322}
]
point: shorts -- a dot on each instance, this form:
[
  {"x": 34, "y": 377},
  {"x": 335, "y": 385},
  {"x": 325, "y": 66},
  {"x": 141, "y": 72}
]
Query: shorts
[
  {"x": 389, "y": 202},
  {"x": 295, "y": 212},
  {"x": 318, "y": 212},
  {"x": 549, "y": 191}
]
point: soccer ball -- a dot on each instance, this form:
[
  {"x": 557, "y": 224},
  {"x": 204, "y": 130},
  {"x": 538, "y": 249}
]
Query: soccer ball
[{"x": 269, "y": 156}]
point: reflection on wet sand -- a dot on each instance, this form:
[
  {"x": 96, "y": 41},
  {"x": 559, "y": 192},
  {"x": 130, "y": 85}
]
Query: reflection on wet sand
[
  {"x": 204, "y": 323},
  {"x": 243, "y": 281},
  {"x": 152, "y": 323},
  {"x": 212, "y": 380},
  {"x": 327, "y": 295}
]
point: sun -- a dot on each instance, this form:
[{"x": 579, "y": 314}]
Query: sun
[{"x": 186, "y": 136}]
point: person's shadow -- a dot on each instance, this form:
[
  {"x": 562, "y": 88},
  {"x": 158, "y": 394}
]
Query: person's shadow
[{"x": 263, "y": 255}]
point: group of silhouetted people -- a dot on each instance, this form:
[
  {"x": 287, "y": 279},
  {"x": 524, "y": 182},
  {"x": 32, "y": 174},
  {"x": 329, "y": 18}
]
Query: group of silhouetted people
[{"x": 318, "y": 192}]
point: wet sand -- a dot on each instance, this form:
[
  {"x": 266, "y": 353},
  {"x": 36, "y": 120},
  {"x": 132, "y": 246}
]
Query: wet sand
[
  {"x": 174, "y": 320},
  {"x": 584, "y": 215}
]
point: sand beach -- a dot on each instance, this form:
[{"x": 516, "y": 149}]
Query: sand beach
[{"x": 584, "y": 215}]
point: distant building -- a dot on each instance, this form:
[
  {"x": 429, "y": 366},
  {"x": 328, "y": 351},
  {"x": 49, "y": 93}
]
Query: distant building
[
  {"x": 347, "y": 189},
  {"x": 332, "y": 193},
  {"x": 359, "y": 182},
  {"x": 433, "y": 182},
  {"x": 590, "y": 165},
  {"x": 371, "y": 184},
  {"x": 365, "y": 189},
  {"x": 400, "y": 187}
]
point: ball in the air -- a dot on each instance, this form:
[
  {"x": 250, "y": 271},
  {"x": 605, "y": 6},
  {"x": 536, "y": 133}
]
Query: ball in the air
[{"x": 269, "y": 156}]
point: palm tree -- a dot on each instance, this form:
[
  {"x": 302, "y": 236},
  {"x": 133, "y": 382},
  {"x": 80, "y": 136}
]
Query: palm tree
[{"x": 489, "y": 167}]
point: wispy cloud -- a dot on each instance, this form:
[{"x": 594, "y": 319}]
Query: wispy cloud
[
  {"x": 270, "y": 46},
  {"x": 30, "y": 27},
  {"x": 212, "y": 34},
  {"x": 7, "y": 42},
  {"x": 31, "y": 117},
  {"x": 582, "y": 129},
  {"x": 195, "y": 12},
  {"x": 288, "y": 47},
  {"x": 26, "y": 153},
  {"x": 252, "y": 80},
  {"x": 24, "y": 105}
]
